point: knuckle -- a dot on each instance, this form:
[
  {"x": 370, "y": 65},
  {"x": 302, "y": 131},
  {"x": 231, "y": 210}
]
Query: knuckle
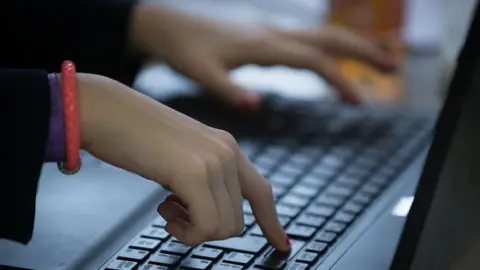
[
  {"x": 211, "y": 230},
  {"x": 227, "y": 138},
  {"x": 198, "y": 166},
  {"x": 228, "y": 149},
  {"x": 226, "y": 154}
]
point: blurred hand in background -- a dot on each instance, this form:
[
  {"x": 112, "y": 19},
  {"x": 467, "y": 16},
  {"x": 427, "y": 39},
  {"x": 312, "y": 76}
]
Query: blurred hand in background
[{"x": 206, "y": 50}]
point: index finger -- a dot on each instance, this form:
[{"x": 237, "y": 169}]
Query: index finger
[{"x": 258, "y": 192}]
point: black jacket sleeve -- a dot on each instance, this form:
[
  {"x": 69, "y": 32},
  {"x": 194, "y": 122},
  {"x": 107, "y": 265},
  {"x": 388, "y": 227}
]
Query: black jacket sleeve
[
  {"x": 36, "y": 36},
  {"x": 92, "y": 33},
  {"x": 28, "y": 92}
]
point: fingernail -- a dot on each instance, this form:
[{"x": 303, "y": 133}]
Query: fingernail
[
  {"x": 250, "y": 101},
  {"x": 287, "y": 241}
]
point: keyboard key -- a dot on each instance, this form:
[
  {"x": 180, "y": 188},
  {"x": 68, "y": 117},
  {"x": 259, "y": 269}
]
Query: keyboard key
[
  {"x": 290, "y": 170},
  {"x": 308, "y": 257},
  {"x": 284, "y": 220},
  {"x": 314, "y": 180},
  {"x": 270, "y": 263},
  {"x": 239, "y": 258},
  {"x": 348, "y": 181},
  {"x": 300, "y": 231},
  {"x": 153, "y": 267},
  {"x": 247, "y": 244},
  {"x": 227, "y": 266},
  {"x": 276, "y": 150},
  {"x": 121, "y": 265},
  {"x": 144, "y": 243},
  {"x": 344, "y": 217},
  {"x": 330, "y": 200},
  {"x": 304, "y": 191},
  {"x": 174, "y": 239},
  {"x": 256, "y": 231},
  {"x": 296, "y": 246},
  {"x": 336, "y": 227},
  {"x": 247, "y": 209},
  {"x": 248, "y": 219},
  {"x": 176, "y": 248},
  {"x": 281, "y": 179},
  {"x": 309, "y": 152},
  {"x": 365, "y": 162},
  {"x": 297, "y": 266},
  {"x": 292, "y": 199},
  {"x": 352, "y": 208},
  {"x": 132, "y": 254},
  {"x": 362, "y": 199},
  {"x": 287, "y": 210},
  {"x": 387, "y": 172},
  {"x": 370, "y": 190},
  {"x": 310, "y": 220},
  {"x": 155, "y": 233},
  {"x": 339, "y": 191},
  {"x": 317, "y": 247},
  {"x": 326, "y": 237},
  {"x": 266, "y": 161},
  {"x": 159, "y": 222},
  {"x": 324, "y": 172},
  {"x": 380, "y": 180},
  {"x": 300, "y": 160},
  {"x": 165, "y": 259},
  {"x": 278, "y": 191},
  {"x": 262, "y": 170},
  {"x": 208, "y": 253},
  {"x": 320, "y": 210},
  {"x": 342, "y": 152},
  {"x": 331, "y": 161},
  {"x": 192, "y": 263},
  {"x": 357, "y": 172}
]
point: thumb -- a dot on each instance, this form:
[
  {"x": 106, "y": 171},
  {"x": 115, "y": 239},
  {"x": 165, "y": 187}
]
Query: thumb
[{"x": 215, "y": 78}]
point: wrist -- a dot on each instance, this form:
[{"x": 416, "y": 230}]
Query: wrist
[
  {"x": 84, "y": 110},
  {"x": 83, "y": 123}
]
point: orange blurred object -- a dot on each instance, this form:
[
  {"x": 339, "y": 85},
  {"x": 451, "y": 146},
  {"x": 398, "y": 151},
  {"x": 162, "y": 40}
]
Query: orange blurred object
[{"x": 381, "y": 20}]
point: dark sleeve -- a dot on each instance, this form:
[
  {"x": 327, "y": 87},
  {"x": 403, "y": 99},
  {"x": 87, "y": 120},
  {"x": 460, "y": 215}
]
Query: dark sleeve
[
  {"x": 25, "y": 117},
  {"x": 92, "y": 33}
]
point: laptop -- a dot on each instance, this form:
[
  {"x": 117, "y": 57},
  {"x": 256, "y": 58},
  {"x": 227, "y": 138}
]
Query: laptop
[{"x": 355, "y": 187}]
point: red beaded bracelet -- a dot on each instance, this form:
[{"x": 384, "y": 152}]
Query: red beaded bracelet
[{"x": 71, "y": 164}]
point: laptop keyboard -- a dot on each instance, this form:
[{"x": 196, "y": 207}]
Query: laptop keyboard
[{"x": 323, "y": 179}]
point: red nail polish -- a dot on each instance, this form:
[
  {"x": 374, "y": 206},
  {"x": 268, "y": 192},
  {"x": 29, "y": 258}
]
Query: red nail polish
[
  {"x": 287, "y": 241},
  {"x": 250, "y": 101}
]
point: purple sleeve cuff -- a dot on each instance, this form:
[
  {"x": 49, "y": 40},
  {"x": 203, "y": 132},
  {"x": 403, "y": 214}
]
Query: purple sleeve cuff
[{"x": 56, "y": 132}]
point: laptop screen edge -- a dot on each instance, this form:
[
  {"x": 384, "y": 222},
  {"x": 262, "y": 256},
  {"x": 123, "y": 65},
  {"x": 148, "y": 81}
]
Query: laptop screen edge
[{"x": 444, "y": 132}]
